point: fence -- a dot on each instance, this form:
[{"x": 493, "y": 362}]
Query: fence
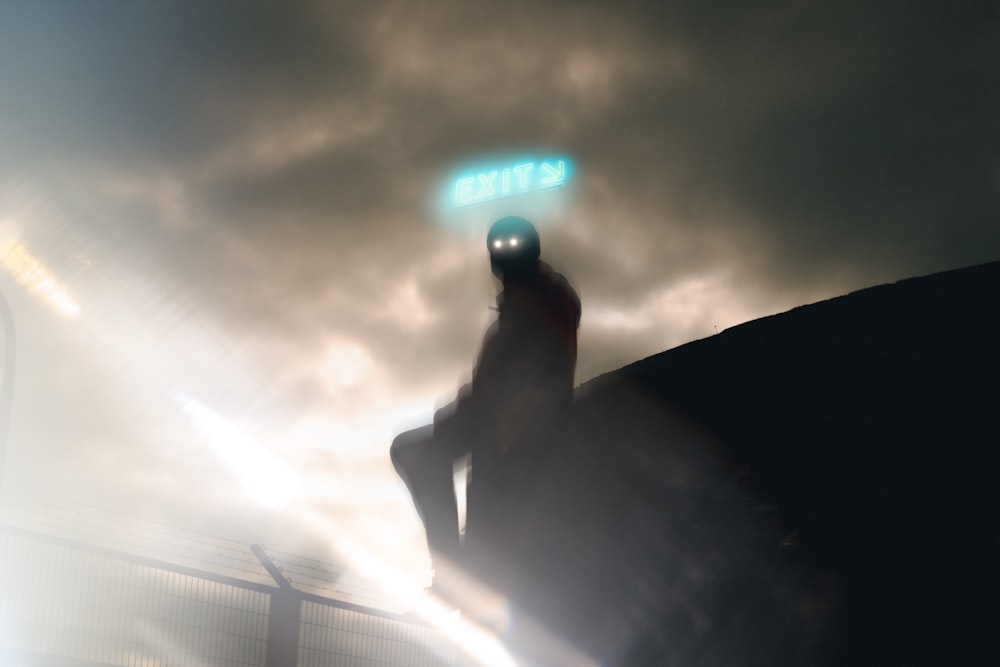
[{"x": 70, "y": 604}]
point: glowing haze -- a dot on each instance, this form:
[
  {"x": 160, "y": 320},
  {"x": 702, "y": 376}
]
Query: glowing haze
[{"x": 231, "y": 280}]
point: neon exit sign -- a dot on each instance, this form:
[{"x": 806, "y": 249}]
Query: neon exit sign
[{"x": 512, "y": 179}]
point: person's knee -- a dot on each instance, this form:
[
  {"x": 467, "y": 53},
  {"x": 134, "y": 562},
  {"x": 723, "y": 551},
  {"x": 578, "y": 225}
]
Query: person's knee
[
  {"x": 407, "y": 445},
  {"x": 397, "y": 449}
]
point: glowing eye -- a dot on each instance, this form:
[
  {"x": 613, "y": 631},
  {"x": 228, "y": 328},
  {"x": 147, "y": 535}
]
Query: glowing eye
[
  {"x": 498, "y": 243},
  {"x": 513, "y": 243}
]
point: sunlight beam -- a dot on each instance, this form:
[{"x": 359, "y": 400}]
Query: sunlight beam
[{"x": 271, "y": 482}]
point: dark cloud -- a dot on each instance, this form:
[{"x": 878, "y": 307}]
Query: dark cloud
[
  {"x": 836, "y": 137},
  {"x": 151, "y": 82},
  {"x": 333, "y": 186}
]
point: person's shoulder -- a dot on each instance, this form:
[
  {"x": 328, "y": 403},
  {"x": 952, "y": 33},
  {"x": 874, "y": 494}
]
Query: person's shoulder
[
  {"x": 557, "y": 286},
  {"x": 552, "y": 277}
]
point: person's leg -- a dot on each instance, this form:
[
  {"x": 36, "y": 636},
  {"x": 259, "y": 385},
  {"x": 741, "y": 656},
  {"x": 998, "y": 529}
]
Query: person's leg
[{"x": 424, "y": 462}]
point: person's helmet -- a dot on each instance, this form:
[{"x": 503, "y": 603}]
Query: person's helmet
[{"x": 514, "y": 246}]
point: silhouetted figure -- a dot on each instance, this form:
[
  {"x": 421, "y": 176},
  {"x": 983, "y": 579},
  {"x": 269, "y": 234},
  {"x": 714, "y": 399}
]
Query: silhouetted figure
[{"x": 522, "y": 386}]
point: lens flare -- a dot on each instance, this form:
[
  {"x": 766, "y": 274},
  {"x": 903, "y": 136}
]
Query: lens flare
[
  {"x": 273, "y": 484},
  {"x": 36, "y": 277}
]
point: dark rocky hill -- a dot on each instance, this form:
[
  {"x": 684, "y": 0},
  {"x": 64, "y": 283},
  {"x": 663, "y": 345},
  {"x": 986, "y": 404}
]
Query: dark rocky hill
[{"x": 815, "y": 487}]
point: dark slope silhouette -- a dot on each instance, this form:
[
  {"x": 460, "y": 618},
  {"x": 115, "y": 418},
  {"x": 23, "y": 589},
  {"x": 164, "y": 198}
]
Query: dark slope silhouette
[{"x": 815, "y": 487}]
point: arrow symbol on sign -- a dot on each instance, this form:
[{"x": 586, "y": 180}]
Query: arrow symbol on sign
[{"x": 554, "y": 175}]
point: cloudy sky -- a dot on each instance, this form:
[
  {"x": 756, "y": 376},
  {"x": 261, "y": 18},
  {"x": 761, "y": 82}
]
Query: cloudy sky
[{"x": 230, "y": 281}]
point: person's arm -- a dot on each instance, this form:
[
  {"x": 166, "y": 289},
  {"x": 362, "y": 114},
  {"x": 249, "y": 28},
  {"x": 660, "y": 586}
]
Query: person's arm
[{"x": 468, "y": 412}]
